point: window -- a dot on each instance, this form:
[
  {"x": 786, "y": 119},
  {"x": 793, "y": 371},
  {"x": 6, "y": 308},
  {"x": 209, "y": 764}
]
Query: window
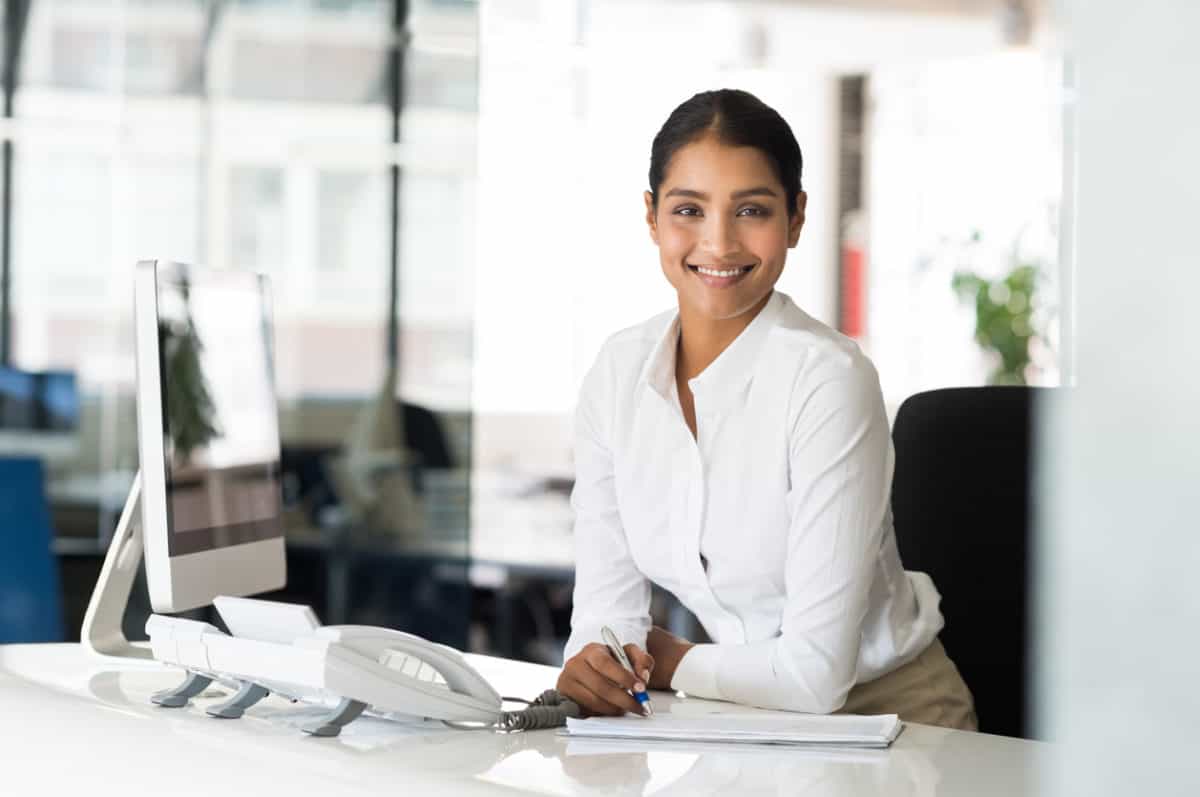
[
  {"x": 258, "y": 219},
  {"x": 252, "y": 135}
]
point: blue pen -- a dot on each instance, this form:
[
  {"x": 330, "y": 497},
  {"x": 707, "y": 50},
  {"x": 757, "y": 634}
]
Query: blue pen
[{"x": 618, "y": 652}]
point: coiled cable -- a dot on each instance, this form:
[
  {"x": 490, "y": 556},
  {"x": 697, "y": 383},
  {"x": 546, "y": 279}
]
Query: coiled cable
[{"x": 549, "y": 710}]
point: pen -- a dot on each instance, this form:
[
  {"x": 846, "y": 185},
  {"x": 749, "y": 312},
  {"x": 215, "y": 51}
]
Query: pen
[{"x": 618, "y": 652}]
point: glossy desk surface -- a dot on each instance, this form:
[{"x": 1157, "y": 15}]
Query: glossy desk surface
[{"x": 70, "y": 723}]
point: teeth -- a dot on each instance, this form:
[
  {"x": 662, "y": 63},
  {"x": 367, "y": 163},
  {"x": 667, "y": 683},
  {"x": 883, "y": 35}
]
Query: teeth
[{"x": 714, "y": 273}]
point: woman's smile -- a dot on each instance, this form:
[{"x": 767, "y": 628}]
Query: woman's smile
[{"x": 719, "y": 277}]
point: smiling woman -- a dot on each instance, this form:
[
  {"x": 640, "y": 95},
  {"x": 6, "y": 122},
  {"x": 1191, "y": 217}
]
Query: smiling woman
[
  {"x": 736, "y": 452},
  {"x": 724, "y": 206},
  {"x": 727, "y": 169}
]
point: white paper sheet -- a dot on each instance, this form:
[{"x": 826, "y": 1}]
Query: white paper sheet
[{"x": 840, "y": 730}]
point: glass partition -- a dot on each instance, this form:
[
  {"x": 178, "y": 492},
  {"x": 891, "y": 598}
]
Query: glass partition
[{"x": 267, "y": 136}]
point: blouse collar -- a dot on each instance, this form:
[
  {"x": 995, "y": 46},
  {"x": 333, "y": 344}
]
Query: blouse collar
[{"x": 726, "y": 377}]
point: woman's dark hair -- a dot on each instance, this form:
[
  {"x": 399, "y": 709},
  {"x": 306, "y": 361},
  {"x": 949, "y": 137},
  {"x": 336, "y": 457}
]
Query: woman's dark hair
[{"x": 737, "y": 118}]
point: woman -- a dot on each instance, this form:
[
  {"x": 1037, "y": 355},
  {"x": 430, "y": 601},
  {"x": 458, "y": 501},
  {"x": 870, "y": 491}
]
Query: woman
[{"x": 737, "y": 453}]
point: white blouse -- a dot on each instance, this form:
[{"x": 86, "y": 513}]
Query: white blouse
[{"x": 773, "y": 525}]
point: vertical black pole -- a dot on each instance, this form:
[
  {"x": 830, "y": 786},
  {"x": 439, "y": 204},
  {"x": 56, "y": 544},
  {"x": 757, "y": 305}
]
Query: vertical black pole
[
  {"x": 6, "y": 158},
  {"x": 14, "y": 29},
  {"x": 16, "y": 12},
  {"x": 395, "y": 84}
]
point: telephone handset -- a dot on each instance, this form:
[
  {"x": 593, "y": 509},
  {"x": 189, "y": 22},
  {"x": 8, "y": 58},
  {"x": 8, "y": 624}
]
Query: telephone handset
[{"x": 382, "y": 645}]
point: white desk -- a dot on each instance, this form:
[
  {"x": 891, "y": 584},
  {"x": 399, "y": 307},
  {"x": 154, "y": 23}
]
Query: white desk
[{"x": 72, "y": 725}]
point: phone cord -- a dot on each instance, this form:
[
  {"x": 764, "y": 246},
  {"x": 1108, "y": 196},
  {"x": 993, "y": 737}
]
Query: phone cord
[{"x": 549, "y": 710}]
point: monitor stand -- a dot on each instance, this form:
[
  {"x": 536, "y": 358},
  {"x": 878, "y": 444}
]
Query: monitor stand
[{"x": 101, "y": 634}]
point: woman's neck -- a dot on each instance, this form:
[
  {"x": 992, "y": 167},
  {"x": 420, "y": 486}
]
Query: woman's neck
[{"x": 701, "y": 340}]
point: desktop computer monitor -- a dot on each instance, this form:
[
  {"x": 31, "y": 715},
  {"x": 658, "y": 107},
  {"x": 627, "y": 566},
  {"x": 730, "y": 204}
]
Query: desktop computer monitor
[
  {"x": 39, "y": 414},
  {"x": 208, "y": 435}
]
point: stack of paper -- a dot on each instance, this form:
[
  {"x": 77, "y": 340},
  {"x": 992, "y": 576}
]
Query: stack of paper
[{"x": 836, "y": 730}]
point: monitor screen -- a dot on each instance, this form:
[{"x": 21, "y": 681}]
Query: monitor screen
[
  {"x": 220, "y": 424},
  {"x": 33, "y": 401},
  {"x": 59, "y": 401},
  {"x": 16, "y": 399}
]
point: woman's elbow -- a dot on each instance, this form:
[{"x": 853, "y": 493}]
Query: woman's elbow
[
  {"x": 830, "y": 701},
  {"x": 804, "y": 701},
  {"x": 825, "y": 693}
]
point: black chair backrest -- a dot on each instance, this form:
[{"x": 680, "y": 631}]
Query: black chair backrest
[{"x": 961, "y": 500}]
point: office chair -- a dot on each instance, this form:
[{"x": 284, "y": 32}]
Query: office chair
[
  {"x": 305, "y": 465},
  {"x": 423, "y": 433},
  {"x": 961, "y": 501},
  {"x": 30, "y": 593}
]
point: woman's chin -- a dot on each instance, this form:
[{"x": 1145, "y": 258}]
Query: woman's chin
[{"x": 721, "y": 307}]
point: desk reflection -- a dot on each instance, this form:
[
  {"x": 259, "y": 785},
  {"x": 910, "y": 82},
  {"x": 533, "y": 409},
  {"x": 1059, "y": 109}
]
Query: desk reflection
[
  {"x": 545, "y": 761},
  {"x": 668, "y": 768},
  {"x": 641, "y": 767}
]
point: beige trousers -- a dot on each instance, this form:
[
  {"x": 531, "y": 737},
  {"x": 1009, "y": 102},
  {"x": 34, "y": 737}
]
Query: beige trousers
[{"x": 928, "y": 690}]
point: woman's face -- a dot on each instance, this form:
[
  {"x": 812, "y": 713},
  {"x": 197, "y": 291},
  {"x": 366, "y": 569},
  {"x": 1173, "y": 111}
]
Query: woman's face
[{"x": 722, "y": 227}]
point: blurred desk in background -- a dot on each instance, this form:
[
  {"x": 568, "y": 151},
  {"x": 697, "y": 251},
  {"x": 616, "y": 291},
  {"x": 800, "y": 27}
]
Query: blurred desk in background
[
  {"x": 508, "y": 579},
  {"x": 86, "y": 506},
  {"x": 507, "y": 566},
  {"x": 505, "y": 586}
]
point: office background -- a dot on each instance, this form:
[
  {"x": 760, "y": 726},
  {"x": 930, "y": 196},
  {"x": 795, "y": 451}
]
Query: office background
[
  {"x": 452, "y": 189},
  {"x": 449, "y": 193},
  {"x": 942, "y": 136}
]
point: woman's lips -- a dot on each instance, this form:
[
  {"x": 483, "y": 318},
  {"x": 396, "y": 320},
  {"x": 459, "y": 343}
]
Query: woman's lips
[{"x": 717, "y": 281}]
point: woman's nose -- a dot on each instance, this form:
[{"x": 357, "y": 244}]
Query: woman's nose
[{"x": 720, "y": 237}]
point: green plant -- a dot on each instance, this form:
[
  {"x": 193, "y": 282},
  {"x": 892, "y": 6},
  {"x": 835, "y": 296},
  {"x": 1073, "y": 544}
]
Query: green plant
[
  {"x": 1003, "y": 317},
  {"x": 191, "y": 415}
]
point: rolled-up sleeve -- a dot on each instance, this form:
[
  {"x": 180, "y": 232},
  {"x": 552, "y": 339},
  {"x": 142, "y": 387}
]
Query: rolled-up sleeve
[
  {"x": 840, "y": 470},
  {"x": 609, "y": 588}
]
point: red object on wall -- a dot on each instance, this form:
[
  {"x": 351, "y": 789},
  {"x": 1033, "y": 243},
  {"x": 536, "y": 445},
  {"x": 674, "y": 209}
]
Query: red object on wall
[
  {"x": 852, "y": 314},
  {"x": 854, "y": 275}
]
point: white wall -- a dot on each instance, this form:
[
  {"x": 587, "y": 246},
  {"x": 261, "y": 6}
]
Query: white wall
[
  {"x": 568, "y": 107},
  {"x": 959, "y": 146},
  {"x": 1120, "y": 543}
]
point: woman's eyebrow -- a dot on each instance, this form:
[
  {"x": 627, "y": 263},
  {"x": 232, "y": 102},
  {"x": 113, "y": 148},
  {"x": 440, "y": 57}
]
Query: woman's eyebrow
[
  {"x": 758, "y": 190},
  {"x": 687, "y": 192}
]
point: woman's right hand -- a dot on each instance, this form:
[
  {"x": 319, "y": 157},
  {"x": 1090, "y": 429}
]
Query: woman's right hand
[{"x": 598, "y": 682}]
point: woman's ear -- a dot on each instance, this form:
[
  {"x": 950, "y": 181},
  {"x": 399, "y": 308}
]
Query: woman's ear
[
  {"x": 796, "y": 223},
  {"x": 651, "y": 220}
]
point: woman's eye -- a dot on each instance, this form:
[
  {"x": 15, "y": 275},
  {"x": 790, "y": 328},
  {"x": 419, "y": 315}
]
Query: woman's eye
[
  {"x": 687, "y": 210},
  {"x": 752, "y": 210}
]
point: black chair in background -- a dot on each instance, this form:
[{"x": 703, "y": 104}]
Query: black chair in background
[
  {"x": 423, "y": 433},
  {"x": 961, "y": 500},
  {"x": 350, "y": 582},
  {"x": 304, "y": 466}
]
